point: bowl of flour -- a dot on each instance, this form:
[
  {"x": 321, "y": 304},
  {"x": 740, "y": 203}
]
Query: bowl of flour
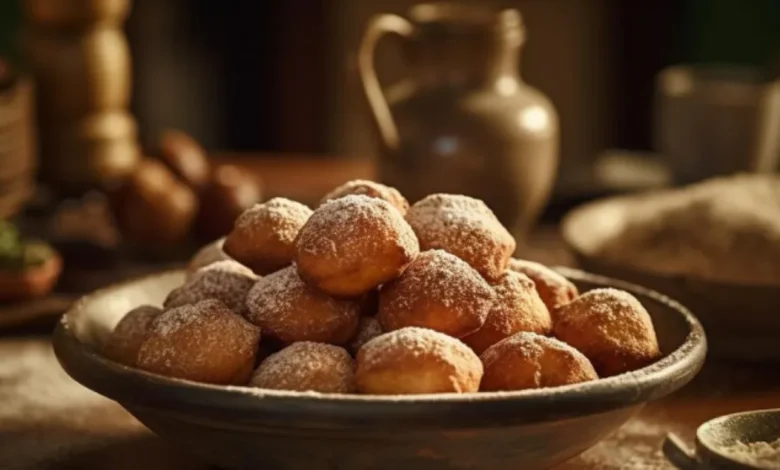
[{"x": 714, "y": 246}]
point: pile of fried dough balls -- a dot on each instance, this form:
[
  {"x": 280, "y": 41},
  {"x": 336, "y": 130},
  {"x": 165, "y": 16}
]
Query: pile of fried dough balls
[{"x": 366, "y": 294}]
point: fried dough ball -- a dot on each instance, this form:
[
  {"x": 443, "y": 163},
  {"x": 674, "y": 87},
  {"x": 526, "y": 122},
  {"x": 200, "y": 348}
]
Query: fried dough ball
[
  {"x": 465, "y": 227},
  {"x": 263, "y": 236},
  {"x": 227, "y": 281},
  {"x": 289, "y": 311},
  {"x": 611, "y": 328},
  {"x": 517, "y": 307},
  {"x": 126, "y": 338},
  {"x": 554, "y": 289},
  {"x": 353, "y": 244},
  {"x": 416, "y": 360},
  {"x": 368, "y": 329},
  {"x": 208, "y": 254},
  {"x": 307, "y": 366},
  {"x": 527, "y": 360},
  {"x": 204, "y": 342},
  {"x": 437, "y": 291},
  {"x": 371, "y": 189}
]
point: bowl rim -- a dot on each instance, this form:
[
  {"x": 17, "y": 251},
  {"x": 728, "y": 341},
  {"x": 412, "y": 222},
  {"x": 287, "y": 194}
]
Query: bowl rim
[
  {"x": 139, "y": 389},
  {"x": 574, "y": 219}
]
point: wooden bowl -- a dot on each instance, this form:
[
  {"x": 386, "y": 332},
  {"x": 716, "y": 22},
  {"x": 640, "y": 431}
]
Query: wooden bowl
[
  {"x": 241, "y": 427},
  {"x": 716, "y": 435},
  {"x": 741, "y": 319}
]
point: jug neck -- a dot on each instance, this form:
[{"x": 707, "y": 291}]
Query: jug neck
[{"x": 468, "y": 55}]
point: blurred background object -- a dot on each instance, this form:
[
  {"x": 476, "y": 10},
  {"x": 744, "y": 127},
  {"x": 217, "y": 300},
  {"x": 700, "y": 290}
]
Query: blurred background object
[
  {"x": 714, "y": 121},
  {"x": 463, "y": 121},
  {"x": 17, "y": 139},
  {"x": 80, "y": 59}
]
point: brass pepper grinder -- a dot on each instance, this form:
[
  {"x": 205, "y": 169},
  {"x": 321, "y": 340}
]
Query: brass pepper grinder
[
  {"x": 464, "y": 121},
  {"x": 80, "y": 61}
]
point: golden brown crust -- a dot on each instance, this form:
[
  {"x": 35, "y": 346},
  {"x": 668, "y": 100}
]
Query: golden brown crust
[
  {"x": 370, "y": 189},
  {"x": 204, "y": 342},
  {"x": 125, "y": 340},
  {"x": 465, "y": 227},
  {"x": 437, "y": 291},
  {"x": 554, "y": 289},
  {"x": 307, "y": 366},
  {"x": 263, "y": 236},
  {"x": 415, "y": 361},
  {"x": 368, "y": 329},
  {"x": 517, "y": 308},
  {"x": 527, "y": 360},
  {"x": 353, "y": 244},
  {"x": 611, "y": 328},
  {"x": 227, "y": 281},
  {"x": 289, "y": 311}
]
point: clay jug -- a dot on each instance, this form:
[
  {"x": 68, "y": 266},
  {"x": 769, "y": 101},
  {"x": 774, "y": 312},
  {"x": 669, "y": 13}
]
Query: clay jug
[{"x": 463, "y": 121}]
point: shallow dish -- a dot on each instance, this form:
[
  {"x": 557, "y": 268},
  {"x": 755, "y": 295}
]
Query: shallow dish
[
  {"x": 741, "y": 319},
  {"x": 239, "y": 427},
  {"x": 716, "y": 435}
]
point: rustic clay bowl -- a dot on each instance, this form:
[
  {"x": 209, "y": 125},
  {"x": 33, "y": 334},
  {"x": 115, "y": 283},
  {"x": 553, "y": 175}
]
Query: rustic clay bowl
[
  {"x": 741, "y": 319},
  {"x": 239, "y": 427},
  {"x": 715, "y": 435}
]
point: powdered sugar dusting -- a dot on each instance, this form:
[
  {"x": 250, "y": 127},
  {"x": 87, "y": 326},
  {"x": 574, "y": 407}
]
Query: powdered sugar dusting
[
  {"x": 371, "y": 189},
  {"x": 288, "y": 309},
  {"x": 759, "y": 453},
  {"x": 529, "y": 360},
  {"x": 307, "y": 366},
  {"x": 465, "y": 227},
  {"x": 368, "y": 329},
  {"x": 517, "y": 307},
  {"x": 227, "y": 281},
  {"x": 412, "y": 343},
  {"x": 203, "y": 341},
  {"x": 607, "y": 321},
  {"x": 284, "y": 216},
  {"x": 436, "y": 280},
  {"x": 356, "y": 227},
  {"x": 553, "y": 288},
  {"x": 129, "y": 333}
]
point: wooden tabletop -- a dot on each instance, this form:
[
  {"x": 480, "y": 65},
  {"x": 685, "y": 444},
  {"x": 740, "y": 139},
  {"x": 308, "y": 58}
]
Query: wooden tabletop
[{"x": 49, "y": 421}]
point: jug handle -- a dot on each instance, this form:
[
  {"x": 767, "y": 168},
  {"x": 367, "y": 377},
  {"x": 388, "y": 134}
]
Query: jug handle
[{"x": 378, "y": 26}]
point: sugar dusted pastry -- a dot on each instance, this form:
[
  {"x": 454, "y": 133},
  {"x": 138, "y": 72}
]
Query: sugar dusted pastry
[
  {"x": 288, "y": 310},
  {"x": 307, "y": 366},
  {"x": 527, "y": 360},
  {"x": 415, "y": 361},
  {"x": 438, "y": 291},
  {"x": 465, "y": 227},
  {"x": 263, "y": 237},
  {"x": 353, "y": 244},
  {"x": 517, "y": 307},
  {"x": 611, "y": 328},
  {"x": 204, "y": 342}
]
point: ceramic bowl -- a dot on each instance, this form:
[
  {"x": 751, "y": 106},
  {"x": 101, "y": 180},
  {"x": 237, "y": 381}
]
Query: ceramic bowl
[
  {"x": 240, "y": 427},
  {"x": 741, "y": 319}
]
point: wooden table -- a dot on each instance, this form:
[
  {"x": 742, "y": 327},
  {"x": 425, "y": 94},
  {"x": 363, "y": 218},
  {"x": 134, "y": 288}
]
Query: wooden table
[{"x": 49, "y": 421}]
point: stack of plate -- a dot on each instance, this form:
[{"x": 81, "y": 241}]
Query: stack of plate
[{"x": 17, "y": 149}]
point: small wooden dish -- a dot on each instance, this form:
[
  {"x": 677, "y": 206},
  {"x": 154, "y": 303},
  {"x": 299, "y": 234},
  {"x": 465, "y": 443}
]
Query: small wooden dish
[
  {"x": 241, "y": 427},
  {"x": 715, "y": 435},
  {"x": 741, "y": 319}
]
